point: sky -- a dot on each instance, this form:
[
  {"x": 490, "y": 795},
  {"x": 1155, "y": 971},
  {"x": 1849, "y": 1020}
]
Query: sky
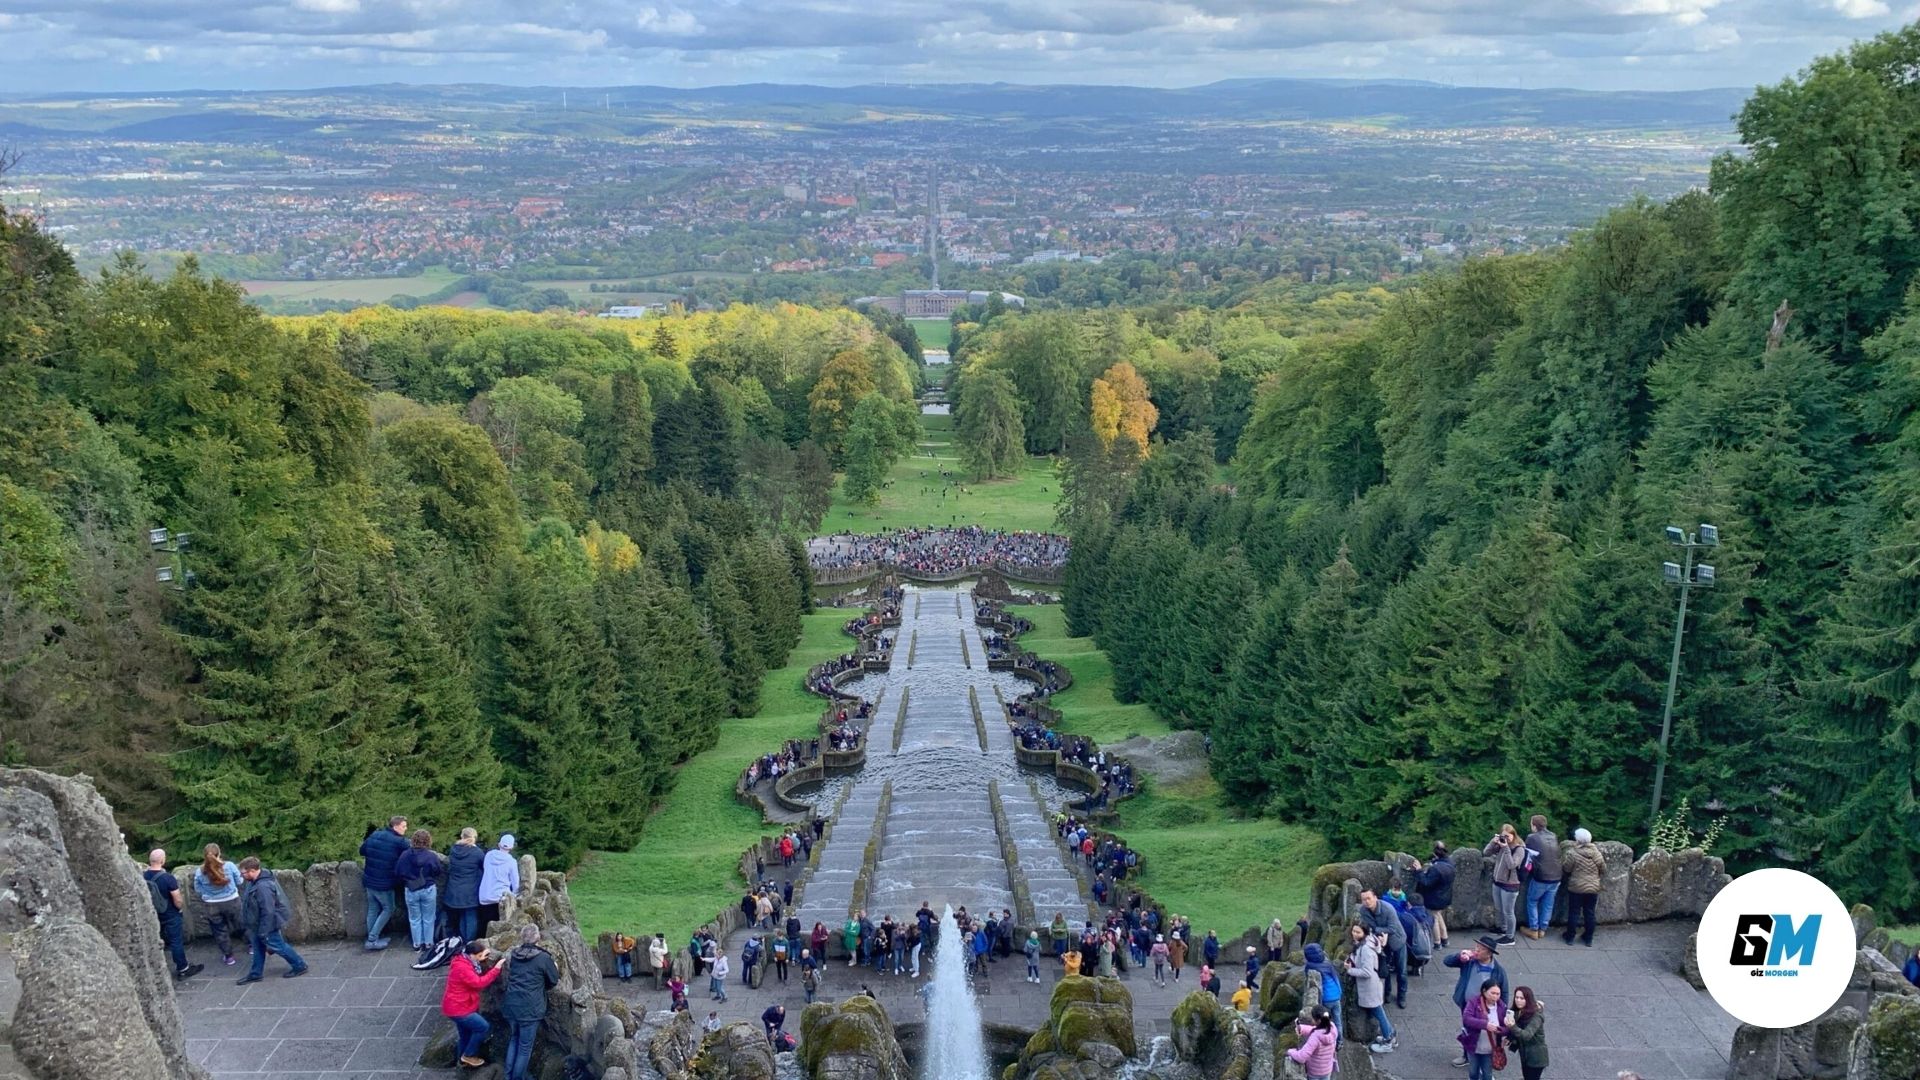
[{"x": 120, "y": 45}]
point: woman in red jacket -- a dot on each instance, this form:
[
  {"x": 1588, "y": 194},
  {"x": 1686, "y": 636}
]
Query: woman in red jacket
[{"x": 466, "y": 977}]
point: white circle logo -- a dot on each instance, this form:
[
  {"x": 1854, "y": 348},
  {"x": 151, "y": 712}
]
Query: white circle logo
[{"x": 1776, "y": 948}]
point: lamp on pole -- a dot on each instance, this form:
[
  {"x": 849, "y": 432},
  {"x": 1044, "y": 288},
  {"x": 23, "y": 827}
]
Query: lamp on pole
[
  {"x": 1685, "y": 575},
  {"x": 174, "y": 544}
]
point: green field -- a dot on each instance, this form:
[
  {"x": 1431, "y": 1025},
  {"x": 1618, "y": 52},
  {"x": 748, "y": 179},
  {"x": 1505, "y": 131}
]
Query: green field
[
  {"x": 933, "y": 333},
  {"x": 1024, "y": 502},
  {"x": 1225, "y": 872},
  {"x": 686, "y": 866},
  {"x": 355, "y": 290}
]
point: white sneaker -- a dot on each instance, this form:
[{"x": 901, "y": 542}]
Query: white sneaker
[
  {"x": 1459, "y": 1062},
  {"x": 1387, "y": 1047}
]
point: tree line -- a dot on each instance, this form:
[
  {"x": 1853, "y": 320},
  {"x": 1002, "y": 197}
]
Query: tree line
[
  {"x": 1431, "y": 598},
  {"x": 477, "y": 568}
]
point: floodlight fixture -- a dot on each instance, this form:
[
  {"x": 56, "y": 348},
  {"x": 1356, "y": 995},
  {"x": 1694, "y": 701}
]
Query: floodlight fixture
[
  {"x": 1709, "y": 536},
  {"x": 1703, "y": 574},
  {"x": 1676, "y": 535},
  {"x": 163, "y": 574},
  {"x": 1671, "y": 571},
  {"x": 156, "y": 537}
]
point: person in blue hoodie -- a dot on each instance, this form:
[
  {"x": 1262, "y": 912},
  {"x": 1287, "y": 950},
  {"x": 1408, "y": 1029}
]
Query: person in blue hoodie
[
  {"x": 466, "y": 863},
  {"x": 379, "y": 852}
]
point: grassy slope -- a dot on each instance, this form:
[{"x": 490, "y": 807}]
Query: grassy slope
[
  {"x": 933, "y": 333},
  {"x": 686, "y": 867},
  {"x": 1226, "y": 873},
  {"x": 1024, "y": 502}
]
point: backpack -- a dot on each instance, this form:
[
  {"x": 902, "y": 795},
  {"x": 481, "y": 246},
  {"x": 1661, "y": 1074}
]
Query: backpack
[
  {"x": 784, "y": 1043},
  {"x": 1420, "y": 941},
  {"x": 162, "y": 903},
  {"x": 441, "y": 954},
  {"x": 1329, "y": 988}
]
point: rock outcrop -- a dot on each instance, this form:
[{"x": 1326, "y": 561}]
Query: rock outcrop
[
  {"x": 1212, "y": 1037},
  {"x": 1089, "y": 1033},
  {"x": 1872, "y": 1033},
  {"x": 852, "y": 1040},
  {"x": 735, "y": 1052},
  {"x": 674, "y": 1047},
  {"x": 95, "y": 990}
]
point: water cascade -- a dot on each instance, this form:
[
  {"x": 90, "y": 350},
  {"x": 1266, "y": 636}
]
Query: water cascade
[{"x": 955, "y": 1049}]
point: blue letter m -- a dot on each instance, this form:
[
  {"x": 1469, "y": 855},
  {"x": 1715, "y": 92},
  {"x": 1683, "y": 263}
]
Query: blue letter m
[{"x": 1788, "y": 941}]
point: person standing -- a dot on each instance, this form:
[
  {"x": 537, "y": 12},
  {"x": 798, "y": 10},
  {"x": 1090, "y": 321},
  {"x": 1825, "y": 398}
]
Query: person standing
[
  {"x": 1435, "y": 884},
  {"x": 1509, "y": 855},
  {"x": 623, "y": 946},
  {"x": 717, "y": 976},
  {"x": 1363, "y": 966},
  {"x": 1478, "y": 969},
  {"x": 467, "y": 976},
  {"x": 379, "y": 853},
  {"x": 1483, "y": 1025},
  {"x": 1586, "y": 869},
  {"x": 780, "y": 959},
  {"x": 217, "y": 883},
  {"x": 1384, "y": 919},
  {"x": 657, "y": 959},
  {"x": 465, "y": 865},
  {"x": 419, "y": 873},
  {"x": 264, "y": 913},
  {"x": 1177, "y": 952},
  {"x": 1160, "y": 952},
  {"x": 809, "y": 974},
  {"x": 1032, "y": 951},
  {"x": 1528, "y": 1035},
  {"x": 1544, "y": 883},
  {"x": 531, "y": 972},
  {"x": 164, "y": 890},
  {"x": 1210, "y": 949},
  {"x": 1276, "y": 937},
  {"x": 499, "y": 875}
]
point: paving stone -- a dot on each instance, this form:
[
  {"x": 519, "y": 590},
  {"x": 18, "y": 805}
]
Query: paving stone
[
  {"x": 241, "y": 1055},
  {"x": 313, "y": 1055},
  {"x": 305, "y": 1023}
]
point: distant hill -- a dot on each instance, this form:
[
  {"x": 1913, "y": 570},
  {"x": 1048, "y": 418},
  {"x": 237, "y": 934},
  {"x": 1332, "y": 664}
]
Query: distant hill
[{"x": 1399, "y": 103}]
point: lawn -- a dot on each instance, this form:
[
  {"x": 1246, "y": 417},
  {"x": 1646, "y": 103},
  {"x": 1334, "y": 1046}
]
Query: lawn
[
  {"x": 1022, "y": 502},
  {"x": 356, "y": 290},
  {"x": 1224, "y": 872},
  {"x": 686, "y": 866},
  {"x": 933, "y": 333}
]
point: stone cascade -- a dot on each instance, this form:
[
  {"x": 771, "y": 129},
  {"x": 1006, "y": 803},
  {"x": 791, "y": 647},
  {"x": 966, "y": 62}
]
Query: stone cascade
[{"x": 937, "y": 747}]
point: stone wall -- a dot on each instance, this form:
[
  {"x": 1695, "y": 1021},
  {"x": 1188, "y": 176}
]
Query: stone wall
[
  {"x": 89, "y": 981},
  {"x": 1657, "y": 885}
]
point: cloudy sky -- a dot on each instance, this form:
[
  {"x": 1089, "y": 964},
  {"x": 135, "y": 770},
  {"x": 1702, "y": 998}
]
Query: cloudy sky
[{"x": 262, "y": 44}]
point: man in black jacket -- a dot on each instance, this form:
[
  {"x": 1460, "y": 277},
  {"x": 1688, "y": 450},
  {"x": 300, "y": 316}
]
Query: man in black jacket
[
  {"x": 263, "y": 914},
  {"x": 1436, "y": 888},
  {"x": 531, "y": 972}
]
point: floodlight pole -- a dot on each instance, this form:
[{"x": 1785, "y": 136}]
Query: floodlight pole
[{"x": 1689, "y": 542}]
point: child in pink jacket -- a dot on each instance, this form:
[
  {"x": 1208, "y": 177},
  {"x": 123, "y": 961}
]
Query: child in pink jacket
[{"x": 1320, "y": 1042}]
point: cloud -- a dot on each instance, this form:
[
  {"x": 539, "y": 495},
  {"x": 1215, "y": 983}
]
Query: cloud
[{"x": 1168, "y": 42}]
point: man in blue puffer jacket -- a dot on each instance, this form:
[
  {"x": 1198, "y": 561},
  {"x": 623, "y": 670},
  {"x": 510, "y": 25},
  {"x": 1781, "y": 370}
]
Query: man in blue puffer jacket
[{"x": 379, "y": 852}]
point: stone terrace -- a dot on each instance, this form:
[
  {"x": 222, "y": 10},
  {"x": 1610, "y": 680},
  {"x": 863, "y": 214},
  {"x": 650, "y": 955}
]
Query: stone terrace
[{"x": 366, "y": 1015}]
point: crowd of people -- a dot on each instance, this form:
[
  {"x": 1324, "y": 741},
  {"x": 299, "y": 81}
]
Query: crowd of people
[{"x": 941, "y": 551}]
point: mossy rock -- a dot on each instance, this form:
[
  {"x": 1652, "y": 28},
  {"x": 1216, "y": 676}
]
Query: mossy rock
[
  {"x": 1887, "y": 1046},
  {"x": 1212, "y": 1037},
  {"x": 1088, "y": 1010},
  {"x": 1283, "y": 990},
  {"x": 1089, "y": 988},
  {"x": 736, "y": 1052},
  {"x": 853, "y": 1039}
]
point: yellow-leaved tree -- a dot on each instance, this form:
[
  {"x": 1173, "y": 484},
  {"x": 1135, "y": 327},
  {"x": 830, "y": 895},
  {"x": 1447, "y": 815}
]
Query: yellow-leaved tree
[{"x": 1121, "y": 409}]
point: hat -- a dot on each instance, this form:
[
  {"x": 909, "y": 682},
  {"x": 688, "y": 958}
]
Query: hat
[
  {"x": 1315, "y": 954},
  {"x": 506, "y": 841},
  {"x": 1249, "y": 950},
  {"x": 1488, "y": 943}
]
